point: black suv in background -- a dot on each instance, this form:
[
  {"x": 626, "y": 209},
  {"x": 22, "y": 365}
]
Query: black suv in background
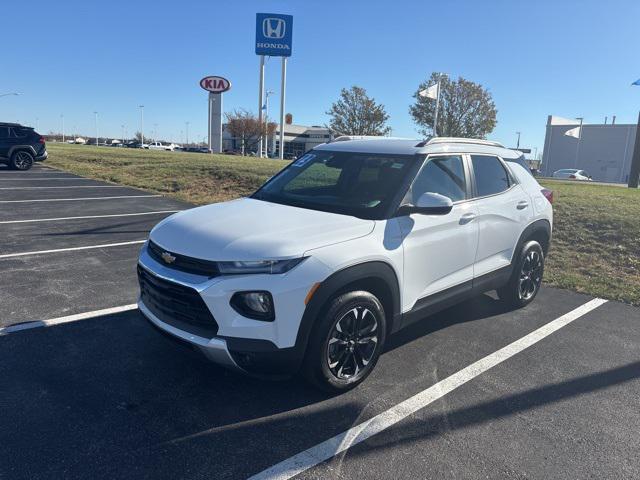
[{"x": 20, "y": 146}]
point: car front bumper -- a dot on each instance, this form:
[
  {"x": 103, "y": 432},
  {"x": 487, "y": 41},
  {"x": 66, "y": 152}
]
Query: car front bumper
[
  {"x": 232, "y": 340},
  {"x": 215, "y": 349}
]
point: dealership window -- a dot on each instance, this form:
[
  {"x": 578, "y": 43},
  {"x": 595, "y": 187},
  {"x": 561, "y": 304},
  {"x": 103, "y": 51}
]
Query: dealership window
[{"x": 491, "y": 176}]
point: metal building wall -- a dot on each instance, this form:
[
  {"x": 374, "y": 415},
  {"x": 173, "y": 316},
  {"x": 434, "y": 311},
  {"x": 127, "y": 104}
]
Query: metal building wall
[{"x": 604, "y": 151}]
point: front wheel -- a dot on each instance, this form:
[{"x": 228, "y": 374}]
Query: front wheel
[
  {"x": 346, "y": 342},
  {"x": 21, "y": 160},
  {"x": 526, "y": 279}
]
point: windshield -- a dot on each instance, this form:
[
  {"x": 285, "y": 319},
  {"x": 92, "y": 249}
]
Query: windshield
[{"x": 359, "y": 184}]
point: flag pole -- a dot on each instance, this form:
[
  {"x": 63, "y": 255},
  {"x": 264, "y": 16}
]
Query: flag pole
[
  {"x": 579, "y": 137},
  {"x": 435, "y": 117}
]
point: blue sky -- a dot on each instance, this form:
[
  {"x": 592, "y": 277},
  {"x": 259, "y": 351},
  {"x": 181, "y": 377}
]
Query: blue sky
[{"x": 569, "y": 58}]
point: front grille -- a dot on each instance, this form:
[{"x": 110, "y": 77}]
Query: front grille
[
  {"x": 182, "y": 262},
  {"x": 177, "y": 305}
]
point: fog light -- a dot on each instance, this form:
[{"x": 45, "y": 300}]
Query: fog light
[{"x": 256, "y": 305}]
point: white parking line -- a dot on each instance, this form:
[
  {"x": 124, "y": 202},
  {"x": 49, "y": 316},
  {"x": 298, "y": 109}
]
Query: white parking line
[
  {"x": 69, "y": 318},
  {"x": 361, "y": 432},
  {"x": 70, "y": 249},
  {"x": 4, "y": 222},
  {"x": 78, "y": 199},
  {"x": 65, "y": 186}
]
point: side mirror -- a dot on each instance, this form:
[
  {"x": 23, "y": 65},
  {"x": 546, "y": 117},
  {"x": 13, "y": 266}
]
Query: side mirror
[{"x": 429, "y": 203}]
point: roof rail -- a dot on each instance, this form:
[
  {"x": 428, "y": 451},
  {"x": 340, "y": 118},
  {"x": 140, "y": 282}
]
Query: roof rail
[
  {"x": 346, "y": 138},
  {"x": 476, "y": 141}
]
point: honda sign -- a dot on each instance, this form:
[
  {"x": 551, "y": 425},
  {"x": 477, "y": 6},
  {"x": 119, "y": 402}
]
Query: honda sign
[
  {"x": 215, "y": 84},
  {"x": 274, "y": 34}
]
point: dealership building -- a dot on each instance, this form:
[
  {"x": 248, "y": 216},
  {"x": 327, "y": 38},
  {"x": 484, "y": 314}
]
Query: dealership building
[
  {"x": 297, "y": 140},
  {"x": 604, "y": 151}
]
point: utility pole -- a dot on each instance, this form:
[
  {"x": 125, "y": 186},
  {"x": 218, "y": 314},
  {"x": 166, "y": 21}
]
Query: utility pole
[
  {"x": 518, "y": 142},
  {"x": 123, "y": 137},
  {"x": 634, "y": 171},
  {"x": 62, "y": 118},
  {"x": 187, "y": 130}
]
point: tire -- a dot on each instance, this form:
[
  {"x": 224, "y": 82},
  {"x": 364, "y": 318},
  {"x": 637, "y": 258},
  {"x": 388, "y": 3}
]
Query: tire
[
  {"x": 21, "y": 160},
  {"x": 525, "y": 281},
  {"x": 342, "y": 353}
]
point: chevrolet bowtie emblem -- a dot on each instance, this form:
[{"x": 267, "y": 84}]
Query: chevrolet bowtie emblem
[{"x": 167, "y": 257}]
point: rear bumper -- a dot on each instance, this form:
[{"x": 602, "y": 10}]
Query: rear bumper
[{"x": 43, "y": 156}]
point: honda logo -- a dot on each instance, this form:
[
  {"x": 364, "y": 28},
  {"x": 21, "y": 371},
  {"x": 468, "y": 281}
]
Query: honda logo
[{"x": 273, "y": 28}]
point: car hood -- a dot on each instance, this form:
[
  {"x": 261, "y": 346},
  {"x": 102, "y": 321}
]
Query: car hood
[{"x": 249, "y": 229}]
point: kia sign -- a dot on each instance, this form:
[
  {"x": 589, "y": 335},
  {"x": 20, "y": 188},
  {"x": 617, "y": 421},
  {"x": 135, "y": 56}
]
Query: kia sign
[
  {"x": 215, "y": 84},
  {"x": 274, "y": 34}
]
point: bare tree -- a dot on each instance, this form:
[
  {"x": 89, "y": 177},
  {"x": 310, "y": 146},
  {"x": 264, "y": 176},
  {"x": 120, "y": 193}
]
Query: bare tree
[
  {"x": 466, "y": 109},
  {"x": 355, "y": 113},
  {"x": 245, "y": 126}
]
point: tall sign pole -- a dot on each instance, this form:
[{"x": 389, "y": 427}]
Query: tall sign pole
[
  {"x": 260, "y": 100},
  {"x": 216, "y": 86},
  {"x": 283, "y": 87},
  {"x": 274, "y": 35}
]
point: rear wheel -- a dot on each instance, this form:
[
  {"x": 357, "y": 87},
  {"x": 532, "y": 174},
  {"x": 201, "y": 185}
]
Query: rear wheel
[
  {"x": 346, "y": 343},
  {"x": 526, "y": 278},
  {"x": 21, "y": 160}
]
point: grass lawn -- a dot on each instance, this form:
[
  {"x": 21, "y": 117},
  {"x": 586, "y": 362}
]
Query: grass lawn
[
  {"x": 596, "y": 244},
  {"x": 595, "y": 249},
  {"x": 193, "y": 177}
]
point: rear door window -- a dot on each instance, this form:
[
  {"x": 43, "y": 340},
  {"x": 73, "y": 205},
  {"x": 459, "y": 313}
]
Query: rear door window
[{"x": 491, "y": 176}]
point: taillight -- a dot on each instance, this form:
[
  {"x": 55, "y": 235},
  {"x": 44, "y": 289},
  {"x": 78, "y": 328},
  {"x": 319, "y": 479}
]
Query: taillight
[
  {"x": 41, "y": 140},
  {"x": 572, "y": 176},
  {"x": 548, "y": 194}
]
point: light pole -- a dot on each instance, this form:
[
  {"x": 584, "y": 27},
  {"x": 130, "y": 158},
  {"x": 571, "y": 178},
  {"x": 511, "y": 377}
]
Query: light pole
[
  {"x": 266, "y": 119},
  {"x": 518, "y": 142},
  {"x": 96, "y": 117},
  {"x": 123, "y": 137},
  {"x": 37, "y": 124},
  {"x": 141, "y": 107},
  {"x": 187, "y": 132},
  {"x": 62, "y": 119},
  {"x": 155, "y": 132}
]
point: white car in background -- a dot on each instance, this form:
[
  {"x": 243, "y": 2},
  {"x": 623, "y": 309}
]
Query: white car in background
[
  {"x": 348, "y": 244},
  {"x": 170, "y": 147},
  {"x": 572, "y": 174}
]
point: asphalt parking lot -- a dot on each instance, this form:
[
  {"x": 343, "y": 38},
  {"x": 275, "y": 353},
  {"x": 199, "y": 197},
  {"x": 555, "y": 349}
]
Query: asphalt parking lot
[{"x": 108, "y": 397}]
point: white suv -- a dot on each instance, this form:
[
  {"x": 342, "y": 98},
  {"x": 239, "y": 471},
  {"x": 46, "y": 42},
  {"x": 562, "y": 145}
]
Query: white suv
[{"x": 346, "y": 245}]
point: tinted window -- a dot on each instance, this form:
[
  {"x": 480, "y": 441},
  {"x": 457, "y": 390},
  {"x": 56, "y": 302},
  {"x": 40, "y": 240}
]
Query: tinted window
[
  {"x": 16, "y": 132},
  {"x": 4, "y": 132},
  {"x": 520, "y": 161},
  {"x": 342, "y": 182},
  {"x": 491, "y": 177},
  {"x": 443, "y": 175}
]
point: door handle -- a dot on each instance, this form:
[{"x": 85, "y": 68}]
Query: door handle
[
  {"x": 522, "y": 204},
  {"x": 467, "y": 217}
]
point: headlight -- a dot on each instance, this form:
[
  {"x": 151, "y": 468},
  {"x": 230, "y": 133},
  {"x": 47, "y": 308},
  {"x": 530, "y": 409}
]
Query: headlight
[{"x": 262, "y": 266}]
